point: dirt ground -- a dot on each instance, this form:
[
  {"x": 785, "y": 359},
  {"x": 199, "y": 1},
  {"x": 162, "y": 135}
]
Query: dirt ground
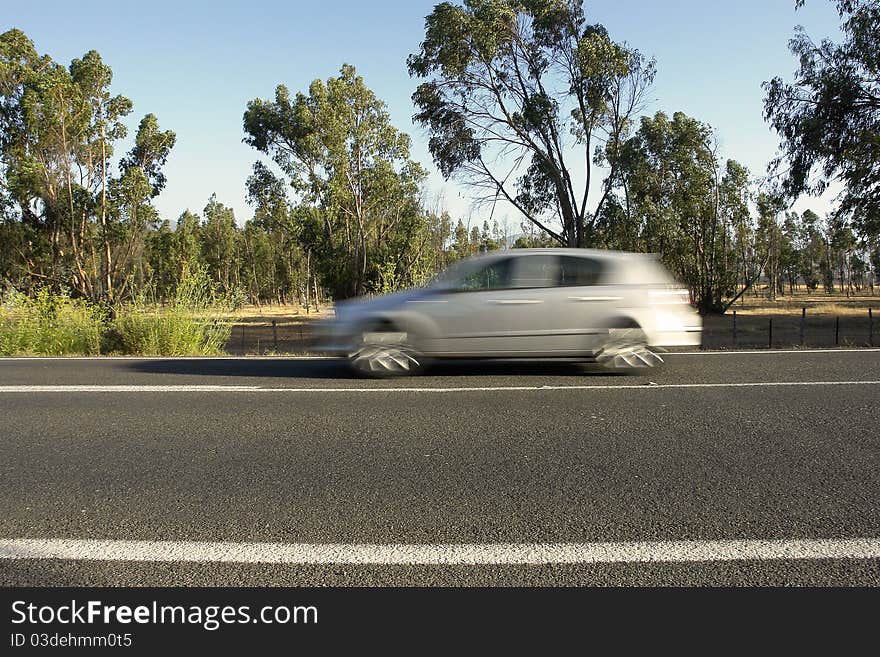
[
  {"x": 274, "y": 330},
  {"x": 829, "y": 321}
]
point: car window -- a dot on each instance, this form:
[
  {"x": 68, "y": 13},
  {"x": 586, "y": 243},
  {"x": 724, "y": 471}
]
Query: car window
[
  {"x": 494, "y": 276},
  {"x": 536, "y": 271},
  {"x": 575, "y": 270}
]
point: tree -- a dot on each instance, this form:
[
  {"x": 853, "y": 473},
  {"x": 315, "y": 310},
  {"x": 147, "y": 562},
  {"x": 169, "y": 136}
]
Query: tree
[
  {"x": 768, "y": 239},
  {"x": 828, "y": 118},
  {"x": 841, "y": 249},
  {"x": 679, "y": 202},
  {"x": 274, "y": 215},
  {"x": 789, "y": 256},
  {"x": 353, "y": 175},
  {"x": 874, "y": 258},
  {"x": 219, "y": 244},
  {"x": 811, "y": 249},
  {"x": 513, "y": 86},
  {"x": 81, "y": 227},
  {"x": 93, "y": 78}
]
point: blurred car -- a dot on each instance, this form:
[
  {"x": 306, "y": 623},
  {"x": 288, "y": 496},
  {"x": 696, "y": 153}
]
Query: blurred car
[{"x": 608, "y": 307}]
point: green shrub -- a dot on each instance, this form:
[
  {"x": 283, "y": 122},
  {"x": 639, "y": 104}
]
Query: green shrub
[
  {"x": 50, "y": 324},
  {"x": 193, "y": 324}
]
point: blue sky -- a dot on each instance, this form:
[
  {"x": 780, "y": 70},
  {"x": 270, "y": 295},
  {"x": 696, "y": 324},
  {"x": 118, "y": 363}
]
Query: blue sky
[{"x": 197, "y": 64}]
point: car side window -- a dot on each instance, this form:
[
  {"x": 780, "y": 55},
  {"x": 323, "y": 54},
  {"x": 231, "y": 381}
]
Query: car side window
[
  {"x": 577, "y": 271},
  {"x": 535, "y": 271},
  {"x": 494, "y": 276}
]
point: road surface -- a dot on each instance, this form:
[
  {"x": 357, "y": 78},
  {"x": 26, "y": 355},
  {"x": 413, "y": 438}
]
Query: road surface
[{"x": 731, "y": 469}]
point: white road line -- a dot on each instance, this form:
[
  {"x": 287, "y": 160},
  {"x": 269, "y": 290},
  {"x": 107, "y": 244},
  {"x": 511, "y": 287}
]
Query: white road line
[
  {"x": 257, "y": 389},
  {"x": 708, "y": 352},
  {"x": 11, "y": 359},
  {"x": 128, "y": 388},
  {"x": 449, "y": 554}
]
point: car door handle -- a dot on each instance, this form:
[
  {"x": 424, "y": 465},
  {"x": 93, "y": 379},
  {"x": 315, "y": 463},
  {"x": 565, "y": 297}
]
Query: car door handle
[
  {"x": 595, "y": 298},
  {"x": 514, "y": 302}
]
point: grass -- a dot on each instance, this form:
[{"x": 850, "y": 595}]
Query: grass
[
  {"x": 49, "y": 324},
  {"x": 197, "y": 322},
  {"x": 816, "y": 302}
]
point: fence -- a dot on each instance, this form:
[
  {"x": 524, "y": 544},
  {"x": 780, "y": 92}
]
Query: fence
[
  {"x": 295, "y": 335},
  {"x": 276, "y": 336},
  {"x": 734, "y": 331}
]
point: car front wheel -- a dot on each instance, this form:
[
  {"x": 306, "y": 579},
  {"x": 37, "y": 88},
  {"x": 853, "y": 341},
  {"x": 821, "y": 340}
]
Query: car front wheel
[
  {"x": 626, "y": 349},
  {"x": 383, "y": 352}
]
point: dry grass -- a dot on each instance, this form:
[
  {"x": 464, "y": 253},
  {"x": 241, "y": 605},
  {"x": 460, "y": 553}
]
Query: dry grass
[
  {"x": 817, "y": 303},
  {"x": 278, "y": 310},
  {"x": 253, "y": 332}
]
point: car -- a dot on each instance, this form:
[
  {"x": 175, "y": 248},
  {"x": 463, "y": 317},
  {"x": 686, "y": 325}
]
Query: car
[{"x": 613, "y": 308}]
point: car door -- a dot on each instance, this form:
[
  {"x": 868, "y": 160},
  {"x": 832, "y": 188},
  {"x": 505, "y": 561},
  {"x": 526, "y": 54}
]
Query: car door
[
  {"x": 489, "y": 311},
  {"x": 584, "y": 303}
]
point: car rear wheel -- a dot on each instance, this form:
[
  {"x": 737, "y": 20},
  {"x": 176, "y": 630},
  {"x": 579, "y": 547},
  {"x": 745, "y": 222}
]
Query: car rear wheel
[
  {"x": 383, "y": 352},
  {"x": 627, "y": 350}
]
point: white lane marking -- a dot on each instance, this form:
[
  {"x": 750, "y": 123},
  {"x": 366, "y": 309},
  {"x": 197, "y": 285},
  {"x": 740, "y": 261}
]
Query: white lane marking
[
  {"x": 257, "y": 389},
  {"x": 454, "y": 554},
  {"x": 708, "y": 352},
  {"x": 145, "y": 388},
  {"x": 175, "y": 358}
]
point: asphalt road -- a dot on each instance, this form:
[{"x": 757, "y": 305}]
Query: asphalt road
[{"x": 713, "y": 449}]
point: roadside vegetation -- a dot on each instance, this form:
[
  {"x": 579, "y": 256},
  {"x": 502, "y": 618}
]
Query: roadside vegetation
[
  {"x": 195, "y": 322},
  {"x": 47, "y": 323},
  {"x": 514, "y": 98}
]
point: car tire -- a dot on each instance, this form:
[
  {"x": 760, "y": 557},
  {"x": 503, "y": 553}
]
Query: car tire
[
  {"x": 626, "y": 350},
  {"x": 382, "y": 351}
]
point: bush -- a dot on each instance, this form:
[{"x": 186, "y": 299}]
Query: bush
[
  {"x": 194, "y": 324},
  {"x": 50, "y": 324}
]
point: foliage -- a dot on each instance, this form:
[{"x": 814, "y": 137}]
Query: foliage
[
  {"x": 358, "y": 190},
  {"x": 49, "y": 324},
  {"x": 675, "y": 198},
  {"x": 516, "y": 92},
  {"x": 828, "y": 118},
  {"x": 80, "y": 227},
  {"x": 194, "y": 323}
]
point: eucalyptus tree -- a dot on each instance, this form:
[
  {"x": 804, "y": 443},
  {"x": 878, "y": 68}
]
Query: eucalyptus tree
[
  {"x": 219, "y": 241},
  {"x": 187, "y": 244},
  {"x": 277, "y": 218},
  {"x": 521, "y": 98},
  {"x": 59, "y": 129},
  {"x": 141, "y": 179},
  {"x": 679, "y": 201},
  {"x": 351, "y": 171},
  {"x": 828, "y": 117},
  {"x": 93, "y": 78},
  {"x": 811, "y": 248},
  {"x": 768, "y": 238}
]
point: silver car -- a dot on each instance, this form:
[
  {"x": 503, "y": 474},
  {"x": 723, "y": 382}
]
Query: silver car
[{"x": 608, "y": 307}]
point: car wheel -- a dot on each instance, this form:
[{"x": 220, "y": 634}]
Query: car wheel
[
  {"x": 383, "y": 352},
  {"x": 627, "y": 350}
]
